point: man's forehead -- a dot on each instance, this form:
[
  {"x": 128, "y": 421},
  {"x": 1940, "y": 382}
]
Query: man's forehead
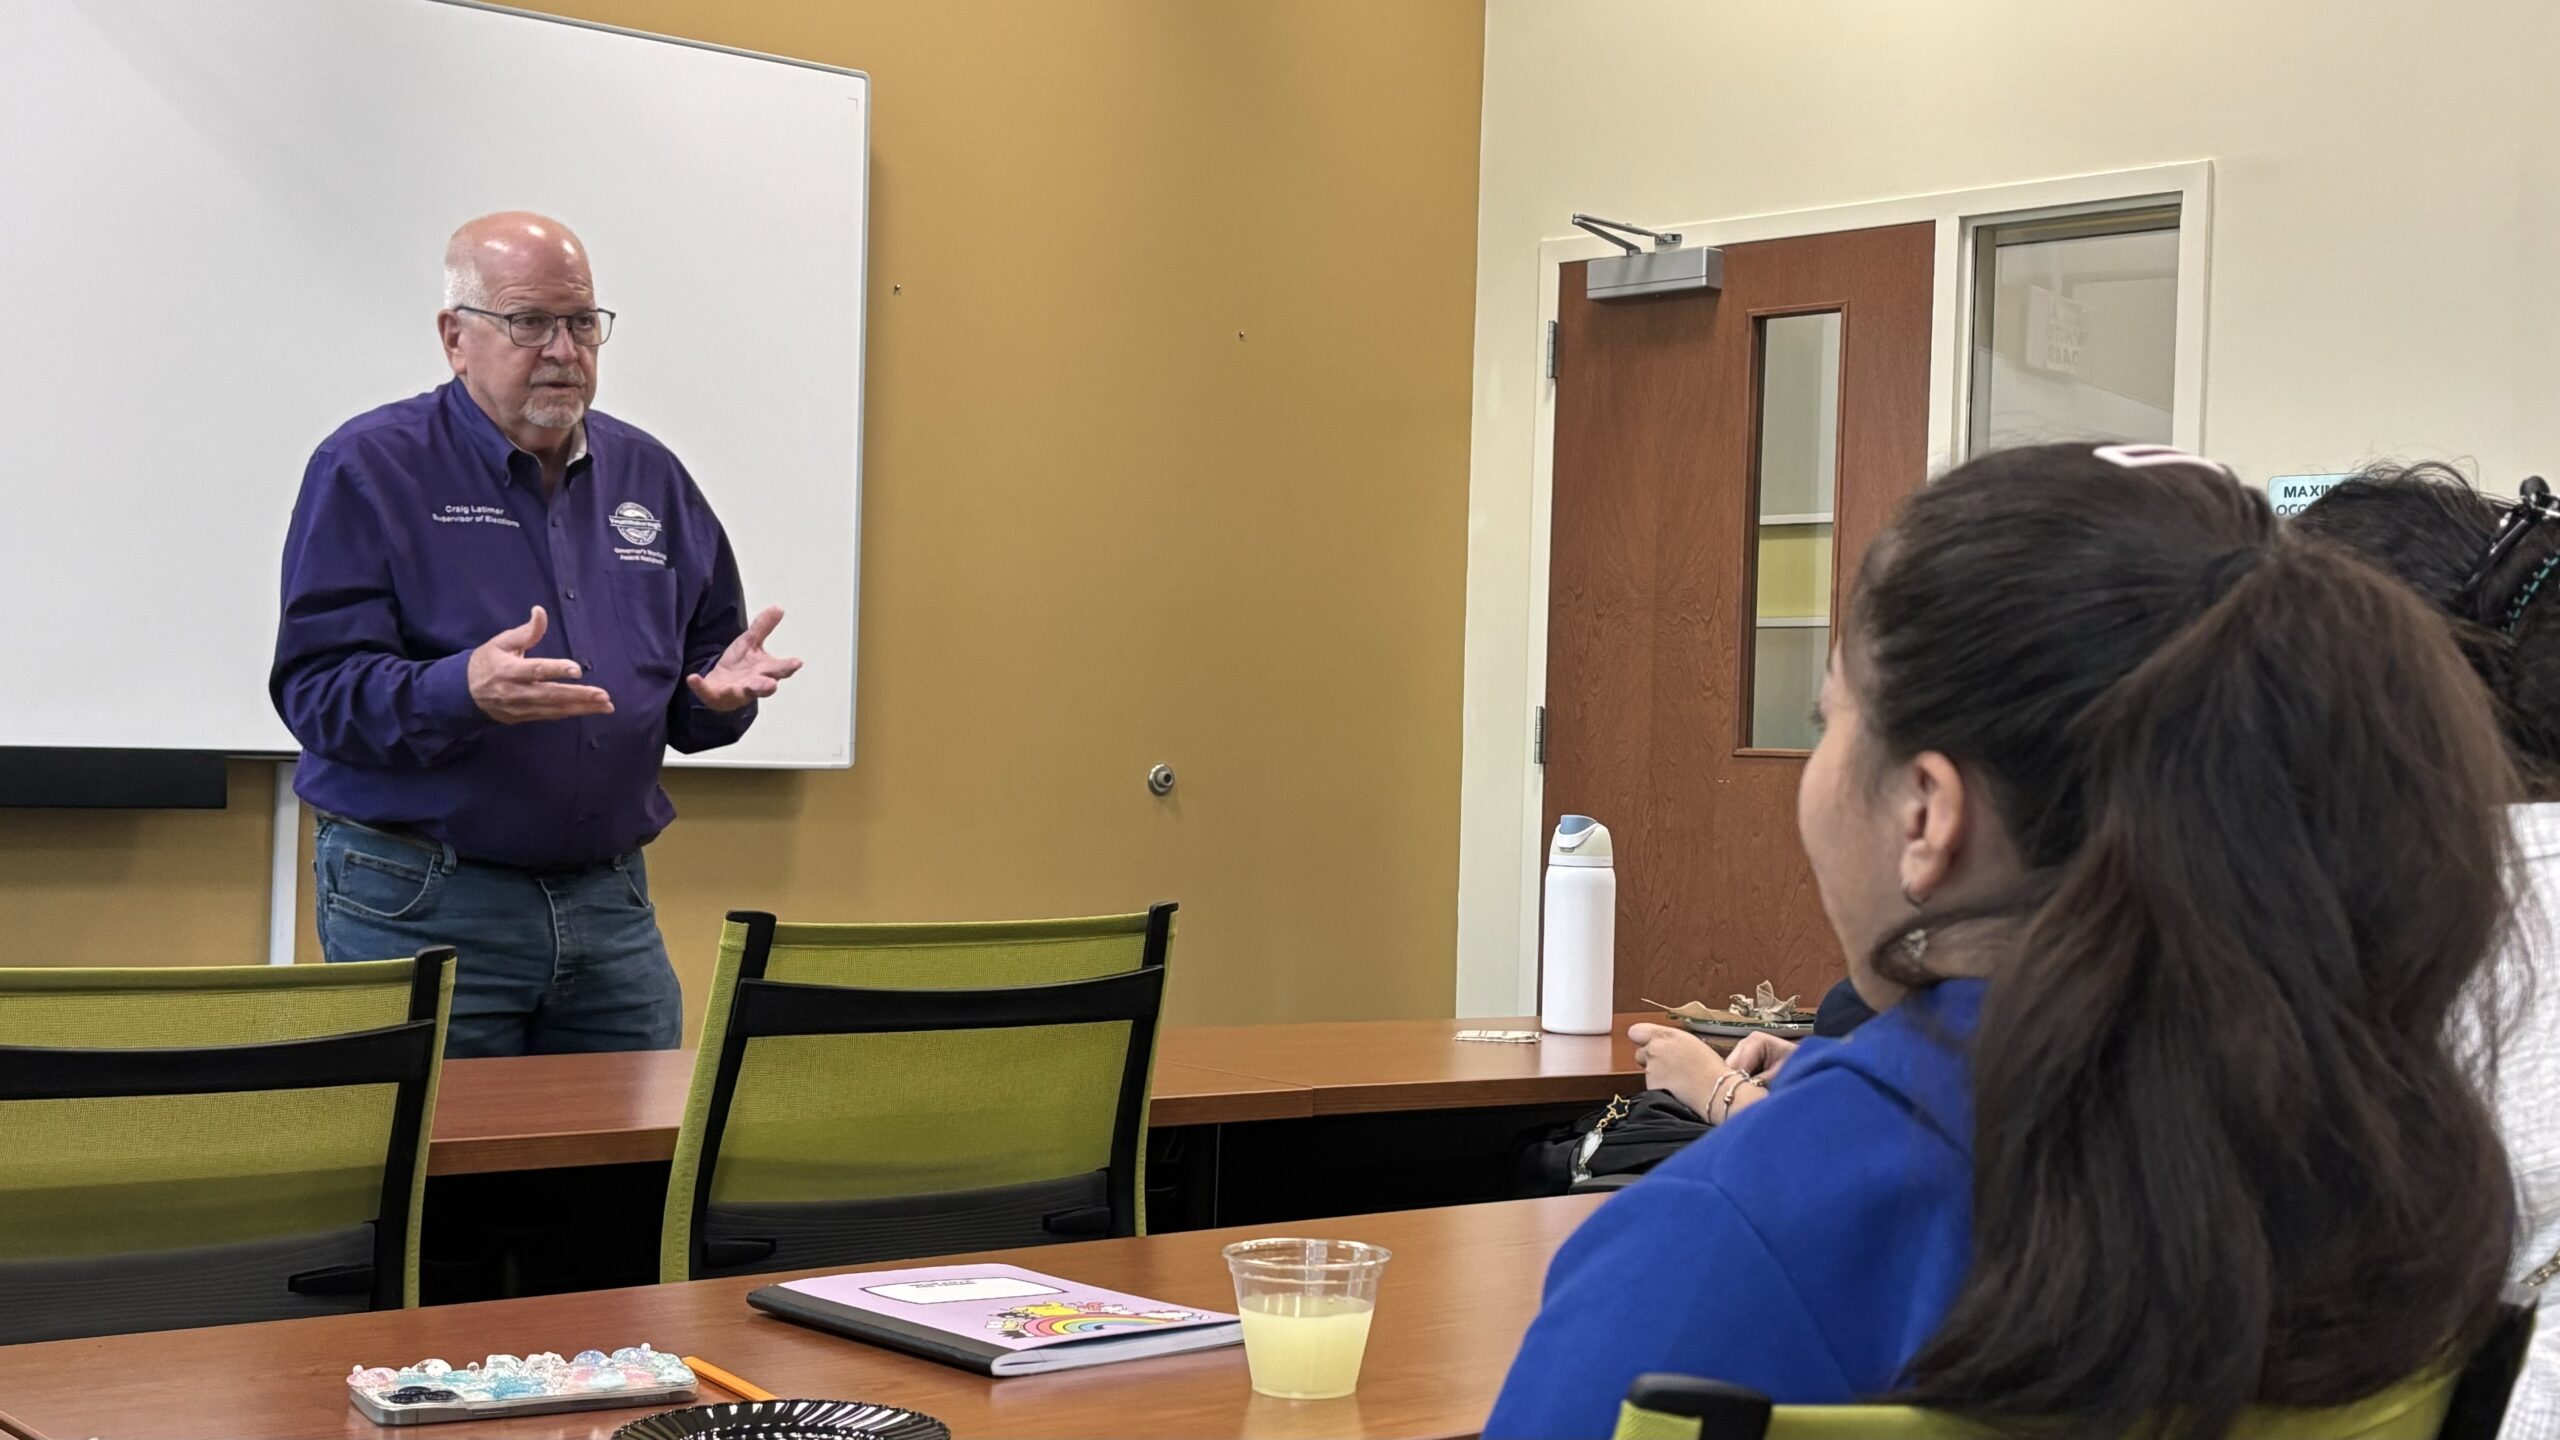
[{"x": 540, "y": 284}]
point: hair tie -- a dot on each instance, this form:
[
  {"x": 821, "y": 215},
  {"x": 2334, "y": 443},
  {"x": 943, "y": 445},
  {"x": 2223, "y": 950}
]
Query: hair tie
[
  {"x": 2143, "y": 457},
  {"x": 2534, "y": 504},
  {"x": 2524, "y": 597}
]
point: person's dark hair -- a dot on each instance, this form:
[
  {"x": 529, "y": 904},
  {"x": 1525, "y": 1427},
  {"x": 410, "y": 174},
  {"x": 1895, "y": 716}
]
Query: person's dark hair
[
  {"x": 2427, "y": 527},
  {"x": 2223, "y": 1153}
]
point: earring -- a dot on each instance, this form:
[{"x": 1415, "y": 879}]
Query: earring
[{"x": 1915, "y": 943}]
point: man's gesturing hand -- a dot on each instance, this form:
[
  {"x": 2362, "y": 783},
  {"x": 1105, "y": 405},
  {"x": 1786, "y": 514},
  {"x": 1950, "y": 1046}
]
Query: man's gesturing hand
[
  {"x": 512, "y": 687},
  {"x": 745, "y": 671}
]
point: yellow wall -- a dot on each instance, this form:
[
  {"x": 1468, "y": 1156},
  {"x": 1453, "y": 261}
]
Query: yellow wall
[{"x": 1172, "y": 308}]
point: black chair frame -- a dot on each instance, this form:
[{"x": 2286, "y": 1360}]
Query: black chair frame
[
  {"x": 768, "y": 1008},
  {"x": 401, "y": 1055}
]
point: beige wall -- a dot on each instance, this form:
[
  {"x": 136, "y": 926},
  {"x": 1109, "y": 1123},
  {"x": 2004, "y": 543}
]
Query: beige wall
[
  {"x": 138, "y": 887},
  {"x": 1170, "y": 316},
  {"x": 2386, "y": 198}
]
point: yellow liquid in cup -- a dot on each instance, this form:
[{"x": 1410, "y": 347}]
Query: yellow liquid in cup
[{"x": 1305, "y": 1347}]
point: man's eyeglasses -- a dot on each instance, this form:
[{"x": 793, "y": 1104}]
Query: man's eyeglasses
[{"x": 533, "y": 329}]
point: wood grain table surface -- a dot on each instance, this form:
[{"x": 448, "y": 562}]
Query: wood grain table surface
[
  {"x": 541, "y": 1112},
  {"x": 1367, "y": 1066},
  {"x": 1456, "y": 1298},
  {"x": 548, "y": 1111}
]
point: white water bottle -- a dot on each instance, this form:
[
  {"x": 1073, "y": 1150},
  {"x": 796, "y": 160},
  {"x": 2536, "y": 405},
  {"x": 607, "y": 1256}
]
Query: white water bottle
[{"x": 1575, "y": 984}]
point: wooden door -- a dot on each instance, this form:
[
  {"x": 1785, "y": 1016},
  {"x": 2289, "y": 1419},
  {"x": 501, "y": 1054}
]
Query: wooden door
[{"x": 1651, "y": 609}]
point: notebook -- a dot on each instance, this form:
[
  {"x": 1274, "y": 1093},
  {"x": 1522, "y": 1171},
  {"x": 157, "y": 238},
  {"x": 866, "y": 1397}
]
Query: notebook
[{"x": 996, "y": 1319}]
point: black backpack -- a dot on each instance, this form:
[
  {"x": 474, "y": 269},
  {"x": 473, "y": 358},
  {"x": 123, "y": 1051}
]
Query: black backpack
[{"x": 1610, "y": 1147}]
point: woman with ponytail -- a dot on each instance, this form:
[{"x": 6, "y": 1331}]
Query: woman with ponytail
[
  {"x": 2494, "y": 570},
  {"x": 2164, "y": 843}
]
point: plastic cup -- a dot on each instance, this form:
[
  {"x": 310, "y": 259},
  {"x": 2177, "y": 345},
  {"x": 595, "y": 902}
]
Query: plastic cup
[{"x": 1306, "y": 1306}]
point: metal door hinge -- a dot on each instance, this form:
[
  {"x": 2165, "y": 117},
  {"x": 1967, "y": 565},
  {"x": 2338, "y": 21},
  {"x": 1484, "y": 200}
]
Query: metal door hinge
[
  {"x": 1551, "y": 349},
  {"x": 1538, "y": 737}
]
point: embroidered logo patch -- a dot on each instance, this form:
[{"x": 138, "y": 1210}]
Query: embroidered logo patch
[{"x": 632, "y": 521}]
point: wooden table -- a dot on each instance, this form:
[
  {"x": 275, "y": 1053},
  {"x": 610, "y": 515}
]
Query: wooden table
[
  {"x": 1371, "y": 1066},
  {"x": 546, "y": 1112},
  {"x": 552, "y": 1111},
  {"x": 1456, "y": 1299}
]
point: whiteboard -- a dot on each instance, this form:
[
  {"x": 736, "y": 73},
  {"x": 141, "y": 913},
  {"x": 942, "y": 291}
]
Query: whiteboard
[{"x": 223, "y": 224}]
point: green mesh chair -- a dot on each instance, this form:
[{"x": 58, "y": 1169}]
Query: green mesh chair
[
  {"x": 880, "y": 1092},
  {"x": 2468, "y": 1404},
  {"x": 213, "y": 1145}
]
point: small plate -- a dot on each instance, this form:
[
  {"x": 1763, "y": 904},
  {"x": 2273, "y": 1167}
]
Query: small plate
[
  {"x": 787, "y": 1420},
  {"x": 1736, "y": 1029}
]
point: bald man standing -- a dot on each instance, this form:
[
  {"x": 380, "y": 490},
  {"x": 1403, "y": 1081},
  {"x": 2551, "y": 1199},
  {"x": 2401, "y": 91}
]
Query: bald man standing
[{"x": 500, "y": 608}]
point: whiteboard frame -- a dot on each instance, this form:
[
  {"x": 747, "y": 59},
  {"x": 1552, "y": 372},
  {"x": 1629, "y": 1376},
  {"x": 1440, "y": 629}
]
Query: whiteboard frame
[{"x": 571, "y": 20}]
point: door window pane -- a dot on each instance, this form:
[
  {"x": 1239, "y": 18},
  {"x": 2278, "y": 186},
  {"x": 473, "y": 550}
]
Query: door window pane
[
  {"x": 1786, "y": 679},
  {"x": 2075, "y": 329},
  {"x": 1797, "y": 451}
]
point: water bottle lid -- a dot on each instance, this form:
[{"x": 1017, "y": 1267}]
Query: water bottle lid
[{"x": 1582, "y": 841}]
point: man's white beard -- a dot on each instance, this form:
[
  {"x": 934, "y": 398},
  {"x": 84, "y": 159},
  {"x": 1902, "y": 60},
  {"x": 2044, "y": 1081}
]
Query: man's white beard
[{"x": 554, "y": 412}]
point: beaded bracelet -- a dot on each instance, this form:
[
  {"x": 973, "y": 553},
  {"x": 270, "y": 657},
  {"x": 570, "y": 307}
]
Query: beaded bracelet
[
  {"x": 1730, "y": 1077},
  {"x": 1735, "y": 1099}
]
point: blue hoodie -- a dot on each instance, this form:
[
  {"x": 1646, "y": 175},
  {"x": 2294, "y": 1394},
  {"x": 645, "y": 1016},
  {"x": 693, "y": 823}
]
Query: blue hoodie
[{"x": 1807, "y": 1249}]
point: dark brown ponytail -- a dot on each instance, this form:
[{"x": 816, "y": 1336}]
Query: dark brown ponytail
[{"x": 2223, "y": 1154}]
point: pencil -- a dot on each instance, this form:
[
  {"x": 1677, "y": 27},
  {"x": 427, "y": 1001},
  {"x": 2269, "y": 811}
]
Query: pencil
[
  {"x": 19, "y": 1428},
  {"x": 725, "y": 1380}
]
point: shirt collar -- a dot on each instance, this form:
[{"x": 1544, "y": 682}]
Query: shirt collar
[{"x": 488, "y": 443}]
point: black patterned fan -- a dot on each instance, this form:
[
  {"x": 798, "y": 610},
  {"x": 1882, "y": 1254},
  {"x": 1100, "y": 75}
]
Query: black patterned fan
[{"x": 787, "y": 1420}]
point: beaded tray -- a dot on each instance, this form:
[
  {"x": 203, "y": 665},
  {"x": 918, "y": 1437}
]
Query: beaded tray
[{"x": 503, "y": 1385}]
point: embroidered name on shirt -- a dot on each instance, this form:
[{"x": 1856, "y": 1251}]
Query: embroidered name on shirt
[
  {"x": 476, "y": 515},
  {"x": 638, "y": 556}
]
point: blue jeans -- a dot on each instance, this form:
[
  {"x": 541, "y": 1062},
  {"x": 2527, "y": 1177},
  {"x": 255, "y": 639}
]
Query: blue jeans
[{"x": 546, "y": 963}]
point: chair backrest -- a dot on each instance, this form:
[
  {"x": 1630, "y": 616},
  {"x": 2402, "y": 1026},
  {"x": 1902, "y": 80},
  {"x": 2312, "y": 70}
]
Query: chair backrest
[
  {"x": 878, "y": 1092},
  {"x": 2468, "y": 1404},
  {"x": 212, "y": 1145}
]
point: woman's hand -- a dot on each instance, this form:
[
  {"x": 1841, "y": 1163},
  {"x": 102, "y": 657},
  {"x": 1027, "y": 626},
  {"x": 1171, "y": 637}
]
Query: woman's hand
[
  {"x": 1677, "y": 1061},
  {"x": 1759, "y": 1054}
]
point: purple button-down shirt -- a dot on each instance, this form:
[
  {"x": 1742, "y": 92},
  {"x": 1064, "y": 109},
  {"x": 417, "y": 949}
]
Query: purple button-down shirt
[{"x": 420, "y": 533}]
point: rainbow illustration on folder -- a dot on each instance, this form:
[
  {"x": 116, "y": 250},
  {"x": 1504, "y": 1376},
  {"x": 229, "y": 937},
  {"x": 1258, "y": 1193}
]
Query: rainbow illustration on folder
[{"x": 1053, "y": 1318}]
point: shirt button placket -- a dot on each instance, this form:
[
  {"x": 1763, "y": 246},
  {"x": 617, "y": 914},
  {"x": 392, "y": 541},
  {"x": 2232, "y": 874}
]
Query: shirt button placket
[{"x": 564, "y": 565}]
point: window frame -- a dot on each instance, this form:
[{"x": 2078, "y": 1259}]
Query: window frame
[
  {"x": 1747, "y": 646},
  {"x": 1981, "y": 239}
]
